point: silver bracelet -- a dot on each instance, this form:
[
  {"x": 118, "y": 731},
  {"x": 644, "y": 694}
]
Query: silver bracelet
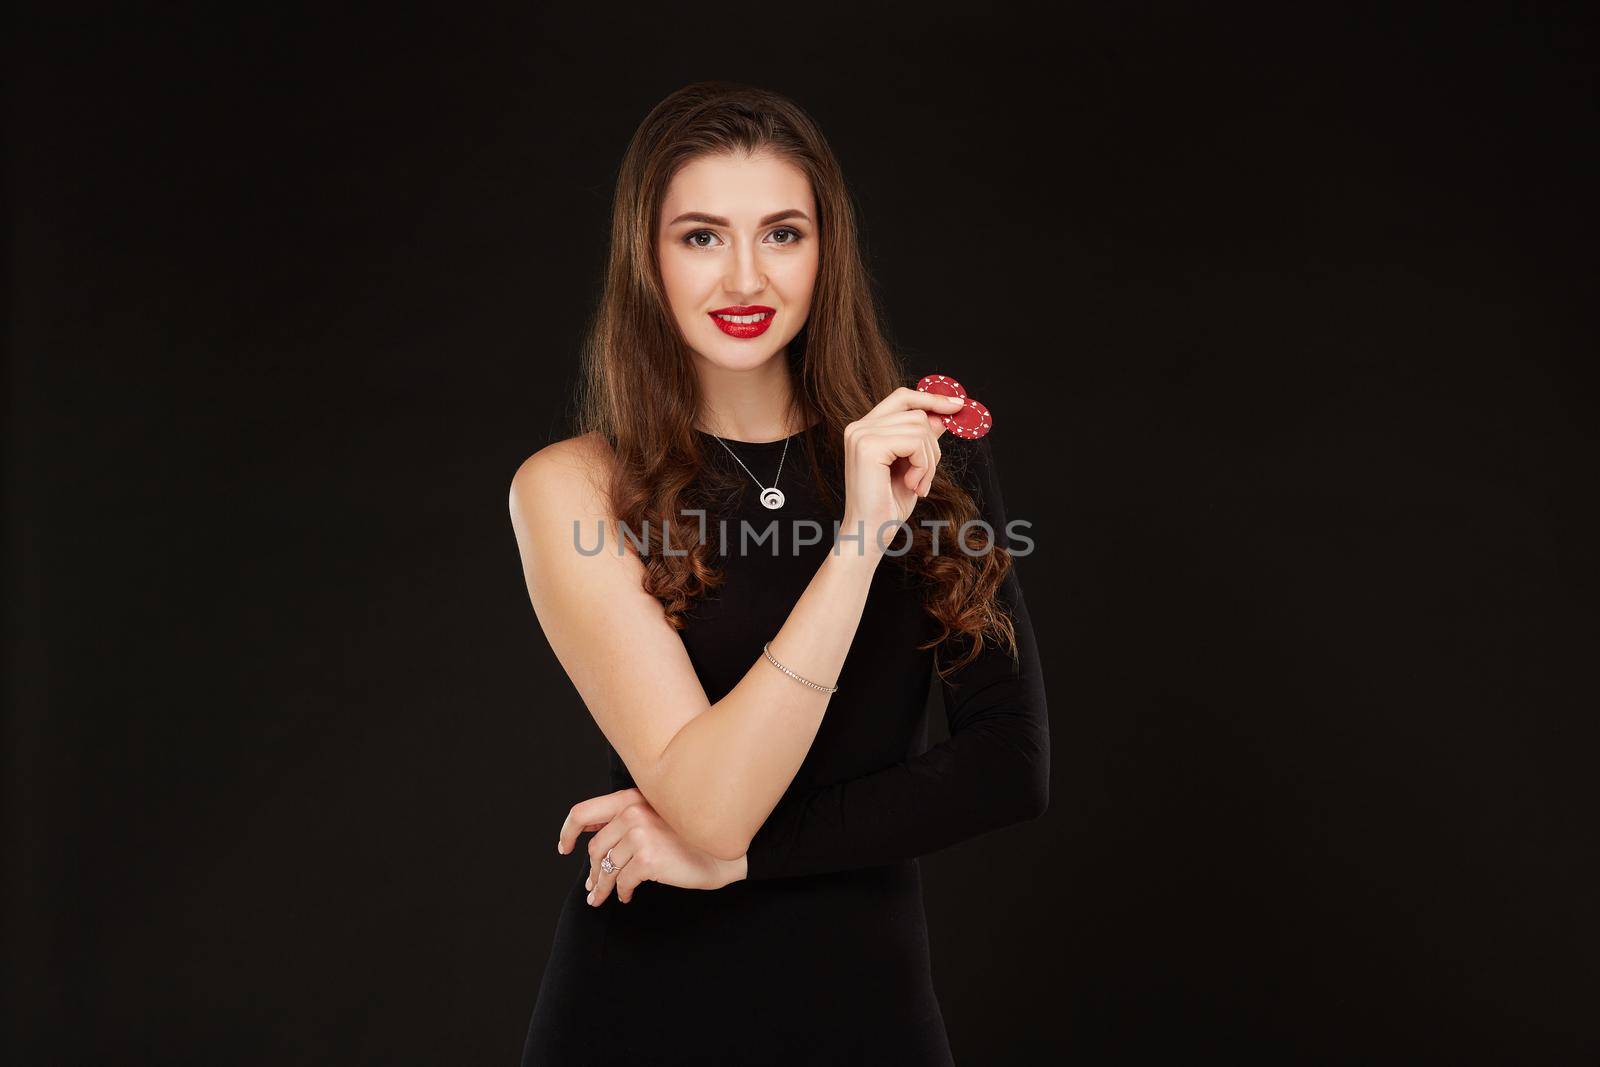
[{"x": 803, "y": 681}]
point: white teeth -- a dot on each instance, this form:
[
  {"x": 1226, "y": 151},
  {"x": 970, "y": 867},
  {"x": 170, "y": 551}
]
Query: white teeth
[{"x": 743, "y": 319}]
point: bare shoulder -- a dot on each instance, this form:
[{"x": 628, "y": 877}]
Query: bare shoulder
[{"x": 564, "y": 480}]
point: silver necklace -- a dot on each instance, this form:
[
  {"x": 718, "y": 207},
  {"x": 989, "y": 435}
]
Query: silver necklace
[{"x": 770, "y": 498}]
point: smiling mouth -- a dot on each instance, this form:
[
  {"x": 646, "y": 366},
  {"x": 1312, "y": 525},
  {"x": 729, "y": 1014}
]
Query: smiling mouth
[
  {"x": 743, "y": 321},
  {"x": 743, "y": 314}
]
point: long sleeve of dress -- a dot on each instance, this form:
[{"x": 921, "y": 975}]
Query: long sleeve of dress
[{"x": 993, "y": 771}]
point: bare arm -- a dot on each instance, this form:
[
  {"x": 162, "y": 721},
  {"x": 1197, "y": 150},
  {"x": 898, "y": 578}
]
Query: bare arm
[
  {"x": 713, "y": 772},
  {"x": 993, "y": 771}
]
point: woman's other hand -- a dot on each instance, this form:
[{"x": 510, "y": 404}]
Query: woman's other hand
[
  {"x": 642, "y": 845},
  {"x": 890, "y": 455}
]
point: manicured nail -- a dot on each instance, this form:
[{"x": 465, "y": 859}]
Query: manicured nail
[
  {"x": 591, "y": 898},
  {"x": 588, "y": 883},
  {"x": 561, "y": 847}
]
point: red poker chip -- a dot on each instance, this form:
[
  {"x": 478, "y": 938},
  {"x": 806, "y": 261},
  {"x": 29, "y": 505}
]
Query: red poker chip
[
  {"x": 972, "y": 421},
  {"x": 942, "y": 385}
]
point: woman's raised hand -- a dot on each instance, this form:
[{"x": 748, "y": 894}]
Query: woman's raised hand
[
  {"x": 642, "y": 845},
  {"x": 890, "y": 455}
]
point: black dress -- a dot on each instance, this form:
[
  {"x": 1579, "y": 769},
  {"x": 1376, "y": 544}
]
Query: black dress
[{"x": 821, "y": 955}]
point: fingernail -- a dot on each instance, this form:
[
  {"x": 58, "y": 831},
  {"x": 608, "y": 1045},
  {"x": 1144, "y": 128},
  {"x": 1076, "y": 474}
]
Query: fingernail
[
  {"x": 588, "y": 883},
  {"x": 591, "y": 898},
  {"x": 561, "y": 847}
]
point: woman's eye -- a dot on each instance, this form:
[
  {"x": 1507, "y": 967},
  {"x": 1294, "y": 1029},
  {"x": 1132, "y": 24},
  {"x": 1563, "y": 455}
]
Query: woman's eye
[{"x": 693, "y": 240}]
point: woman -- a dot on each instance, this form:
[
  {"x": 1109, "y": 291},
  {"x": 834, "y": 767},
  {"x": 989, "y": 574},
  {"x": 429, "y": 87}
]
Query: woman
[{"x": 750, "y": 891}]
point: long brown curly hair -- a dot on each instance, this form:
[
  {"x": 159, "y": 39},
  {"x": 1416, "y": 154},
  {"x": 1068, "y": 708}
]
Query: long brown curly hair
[{"x": 840, "y": 365}]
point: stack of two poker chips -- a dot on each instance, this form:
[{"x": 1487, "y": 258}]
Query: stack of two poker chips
[{"x": 972, "y": 421}]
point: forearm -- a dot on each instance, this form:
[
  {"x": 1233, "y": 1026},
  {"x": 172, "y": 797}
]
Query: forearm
[
  {"x": 725, "y": 770},
  {"x": 969, "y": 785},
  {"x": 983, "y": 779},
  {"x": 993, "y": 771}
]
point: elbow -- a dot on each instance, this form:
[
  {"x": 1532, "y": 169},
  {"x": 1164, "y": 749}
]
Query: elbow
[
  {"x": 1039, "y": 797},
  {"x": 728, "y": 850},
  {"x": 700, "y": 822},
  {"x": 1034, "y": 780},
  {"x": 723, "y": 846},
  {"x": 717, "y": 837}
]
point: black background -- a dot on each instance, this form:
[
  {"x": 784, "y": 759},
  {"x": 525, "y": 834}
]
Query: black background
[{"x": 1282, "y": 314}]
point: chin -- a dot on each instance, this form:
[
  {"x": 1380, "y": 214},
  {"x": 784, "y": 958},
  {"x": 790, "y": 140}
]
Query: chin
[{"x": 730, "y": 354}]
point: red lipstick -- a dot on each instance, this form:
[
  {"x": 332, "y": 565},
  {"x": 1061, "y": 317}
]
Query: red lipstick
[{"x": 744, "y": 311}]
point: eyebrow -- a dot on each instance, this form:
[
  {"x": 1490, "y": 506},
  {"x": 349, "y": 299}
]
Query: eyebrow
[{"x": 718, "y": 220}]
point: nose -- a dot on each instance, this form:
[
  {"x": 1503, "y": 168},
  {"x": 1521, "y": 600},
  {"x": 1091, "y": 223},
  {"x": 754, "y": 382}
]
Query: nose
[{"x": 745, "y": 276}]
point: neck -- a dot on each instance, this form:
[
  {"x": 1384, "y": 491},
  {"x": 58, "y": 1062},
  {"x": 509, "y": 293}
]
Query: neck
[{"x": 748, "y": 404}]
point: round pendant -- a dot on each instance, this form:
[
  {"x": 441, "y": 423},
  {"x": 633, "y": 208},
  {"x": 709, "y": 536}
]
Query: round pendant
[{"x": 772, "y": 498}]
